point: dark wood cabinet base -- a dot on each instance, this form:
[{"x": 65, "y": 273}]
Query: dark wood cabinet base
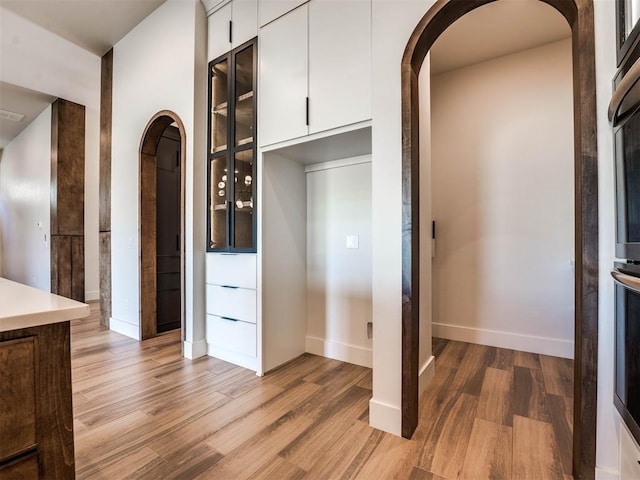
[{"x": 36, "y": 415}]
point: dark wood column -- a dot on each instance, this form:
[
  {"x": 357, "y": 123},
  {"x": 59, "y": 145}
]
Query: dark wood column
[
  {"x": 67, "y": 199},
  {"x": 106, "y": 95}
]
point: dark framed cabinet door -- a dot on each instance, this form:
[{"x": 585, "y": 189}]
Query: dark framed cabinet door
[{"x": 231, "y": 171}]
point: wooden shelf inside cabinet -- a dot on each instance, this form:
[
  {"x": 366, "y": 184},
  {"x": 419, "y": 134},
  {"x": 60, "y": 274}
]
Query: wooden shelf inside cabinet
[
  {"x": 221, "y": 148},
  {"x": 220, "y": 109},
  {"x": 245, "y": 141}
]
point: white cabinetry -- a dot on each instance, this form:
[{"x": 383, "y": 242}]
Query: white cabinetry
[
  {"x": 283, "y": 77},
  {"x": 231, "y": 308},
  {"x": 315, "y": 70},
  {"x": 339, "y": 63},
  {"x": 230, "y": 26},
  {"x": 272, "y": 9},
  {"x": 629, "y": 456}
]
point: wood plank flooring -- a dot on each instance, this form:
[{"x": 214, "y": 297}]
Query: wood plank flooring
[{"x": 143, "y": 412}]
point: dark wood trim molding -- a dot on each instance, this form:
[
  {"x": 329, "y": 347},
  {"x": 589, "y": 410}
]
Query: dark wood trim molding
[
  {"x": 67, "y": 199},
  {"x": 579, "y": 15},
  {"x": 106, "y": 101},
  {"x": 148, "y": 288}
]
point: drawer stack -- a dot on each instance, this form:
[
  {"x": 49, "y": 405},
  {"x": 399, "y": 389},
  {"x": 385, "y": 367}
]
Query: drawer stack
[{"x": 231, "y": 308}]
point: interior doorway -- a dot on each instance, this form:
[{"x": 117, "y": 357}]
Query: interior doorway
[
  {"x": 579, "y": 15},
  {"x": 162, "y": 225},
  {"x": 168, "y": 258}
]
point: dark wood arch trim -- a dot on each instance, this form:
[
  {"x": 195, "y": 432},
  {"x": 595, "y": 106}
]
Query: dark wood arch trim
[
  {"x": 579, "y": 15},
  {"x": 148, "y": 149}
]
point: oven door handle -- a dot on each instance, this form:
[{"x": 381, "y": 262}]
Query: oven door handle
[
  {"x": 627, "y": 281},
  {"x": 626, "y": 97}
]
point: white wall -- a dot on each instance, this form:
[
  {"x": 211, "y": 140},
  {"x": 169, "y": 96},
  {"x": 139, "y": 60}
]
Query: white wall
[
  {"x": 34, "y": 58},
  {"x": 159, "y": 65},
  {"x": 25, "y": 185},
  {"x": 502, "y": 186},
  {"x": 339, "y": 278},
  {"x": 607, "y": 448},
  {"x": 393, "y": 22}
]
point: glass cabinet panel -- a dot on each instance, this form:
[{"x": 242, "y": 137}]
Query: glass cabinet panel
[
  {"x": 218, "y": 189},
  {"x": 219, "y": 105},
  {"x": 244, "y": 113},
  {"x": 232, "y": 151},
  {"x": 243, "y": 199}
]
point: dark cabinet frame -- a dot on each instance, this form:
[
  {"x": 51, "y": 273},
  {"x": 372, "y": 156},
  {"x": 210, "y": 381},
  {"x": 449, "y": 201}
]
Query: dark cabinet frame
[
  {"x": 626, "y": 44},
  {"x": 232, "y": 150}
]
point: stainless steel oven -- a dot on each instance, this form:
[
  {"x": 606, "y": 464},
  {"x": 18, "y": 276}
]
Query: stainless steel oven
[
  {"x": 627, "y": 341},
  {"x": 624, "y": 113}
]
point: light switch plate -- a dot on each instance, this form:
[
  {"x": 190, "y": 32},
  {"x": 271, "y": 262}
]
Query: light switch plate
[{"x": 353, "y": 241}]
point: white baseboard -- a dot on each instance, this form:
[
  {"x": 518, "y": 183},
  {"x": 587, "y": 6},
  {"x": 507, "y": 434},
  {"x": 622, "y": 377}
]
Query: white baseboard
[
  {"x": 124, "y": 328},
  {"x": 426, "y": 373},
  {"x": 340, "y": 351},
  {"x": 385, "y": 417},
  {"x": 193, "y": 350},
  {"x": 513, "y": 341},
  {"x": 606, "y": 474},
  {"x": 90, "y": 296}
]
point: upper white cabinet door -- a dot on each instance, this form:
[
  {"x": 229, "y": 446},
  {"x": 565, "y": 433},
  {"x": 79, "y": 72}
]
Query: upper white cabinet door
[
  {"x": 244, "y": 21},
  {"x": 219, "y": 23},
  {"x": 282, "y": 80},
  {"x": 210, "y": 5},
  {"x": 339, "y": 63},
  {"x": 272, "y": 9}
]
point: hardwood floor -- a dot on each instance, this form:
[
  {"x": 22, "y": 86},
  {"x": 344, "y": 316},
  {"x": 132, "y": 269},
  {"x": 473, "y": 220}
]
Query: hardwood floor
[{"x": 143, "y": 412}]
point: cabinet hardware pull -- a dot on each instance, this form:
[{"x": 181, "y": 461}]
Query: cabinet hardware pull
[
  {"x": 307, "y": 113},
  {"x": 230, "y": 30},
  {"x": 230, "y": 319},
  {"x": 228, "y": 286}
]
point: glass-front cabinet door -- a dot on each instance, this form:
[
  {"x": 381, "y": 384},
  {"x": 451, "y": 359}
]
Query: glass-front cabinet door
[{"x": 232, "y": 155}]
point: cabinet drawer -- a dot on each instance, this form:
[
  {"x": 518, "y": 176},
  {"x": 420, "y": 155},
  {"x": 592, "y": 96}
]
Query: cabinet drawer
[
  {"x": 236, "y": 303},
  {"x": 236, "y": 336},
  {"x": 17, "y": 396},
  {"x": 24, "y": 469},
  {"x": 234, "y": 270}
]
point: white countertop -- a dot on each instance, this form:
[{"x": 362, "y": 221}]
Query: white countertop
[{"x": 22, "y": 307}]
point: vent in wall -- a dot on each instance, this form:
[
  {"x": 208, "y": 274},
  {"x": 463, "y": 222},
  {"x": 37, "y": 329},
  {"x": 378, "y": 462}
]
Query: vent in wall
[{"x": 7, "y": 115}]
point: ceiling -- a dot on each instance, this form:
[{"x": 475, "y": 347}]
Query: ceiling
[
  {"x": 19, "y": 100},
  {"x": 95, "y": 25},
  {"x": 497, "y": 29}
]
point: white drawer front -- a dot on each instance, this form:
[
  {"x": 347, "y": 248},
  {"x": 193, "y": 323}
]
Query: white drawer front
[
  {"x": 237, "y": 336},
  {"x": 235, "y": 270},
  {"x": 237, "y": 303}
]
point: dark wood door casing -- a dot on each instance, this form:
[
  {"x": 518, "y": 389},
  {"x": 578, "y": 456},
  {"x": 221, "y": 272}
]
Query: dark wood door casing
[{"x": 579, "y": 15}]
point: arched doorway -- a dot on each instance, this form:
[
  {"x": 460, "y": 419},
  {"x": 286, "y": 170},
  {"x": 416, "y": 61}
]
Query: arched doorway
[
  {"x": 161, "y": 258},
  {"x": 579, "y": 15}
]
